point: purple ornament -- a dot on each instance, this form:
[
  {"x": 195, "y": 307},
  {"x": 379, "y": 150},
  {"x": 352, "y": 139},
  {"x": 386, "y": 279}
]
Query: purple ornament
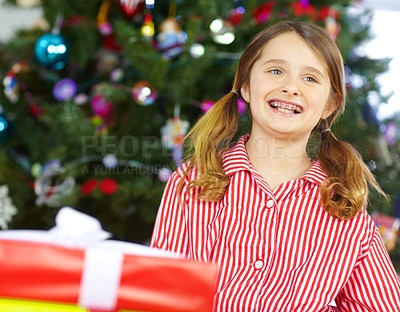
[
  {"x": 177, "y": 155},
  {"x": 101, "y": 106},
  {"x": 391, "y": 133},
  {"x": 64, "y": 89},
  {"x": 164, "y": 174},
  {"x": 304, "y": 3}
]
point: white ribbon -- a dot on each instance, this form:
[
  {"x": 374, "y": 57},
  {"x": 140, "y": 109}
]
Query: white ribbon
[
  {"x": 100, "y": 278},
  {"x": 76, "y": 229}
]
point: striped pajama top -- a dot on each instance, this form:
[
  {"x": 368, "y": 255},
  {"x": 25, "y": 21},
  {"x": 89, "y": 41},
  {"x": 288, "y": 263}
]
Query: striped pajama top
[{"x": 277, "y": 250}]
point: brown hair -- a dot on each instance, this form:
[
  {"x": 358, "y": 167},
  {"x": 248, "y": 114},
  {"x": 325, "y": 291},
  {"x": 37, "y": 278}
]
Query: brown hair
[{"x": 345, "y": 191}]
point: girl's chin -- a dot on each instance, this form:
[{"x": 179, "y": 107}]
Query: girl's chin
[{"x": 283, "y": 131}]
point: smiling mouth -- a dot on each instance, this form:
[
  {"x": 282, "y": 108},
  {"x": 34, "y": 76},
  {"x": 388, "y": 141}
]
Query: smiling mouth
[{"x": 286, "y": 108}]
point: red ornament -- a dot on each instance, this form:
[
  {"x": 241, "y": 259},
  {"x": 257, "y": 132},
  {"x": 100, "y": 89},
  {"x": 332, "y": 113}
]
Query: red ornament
[
  {"x": 35, "y": 110},
  {"x": 88, "y": 186},
  {"x": 263, "y": 12},
  {"x": 326, "y": 12},
  {"x": 236, "y": 16},
  {"x": 299, "y": 9},
  {"x": 132, "y": 8},
  {"x": 108, "y": 186},
  {"x": 110, "y": 43}
]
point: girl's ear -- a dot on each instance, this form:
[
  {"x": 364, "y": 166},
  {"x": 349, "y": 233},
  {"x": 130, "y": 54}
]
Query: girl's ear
[
  {"x": 330, "y": 107},
  {"x": 244, "y": 91}
]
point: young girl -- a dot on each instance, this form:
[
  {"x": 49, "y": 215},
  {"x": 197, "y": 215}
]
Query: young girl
[{"x": 288, "y": 233}]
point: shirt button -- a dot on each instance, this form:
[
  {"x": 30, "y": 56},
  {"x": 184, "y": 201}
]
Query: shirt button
[
  {"x": 258, "y": 264},
  {"x": 270, "y": 203}
]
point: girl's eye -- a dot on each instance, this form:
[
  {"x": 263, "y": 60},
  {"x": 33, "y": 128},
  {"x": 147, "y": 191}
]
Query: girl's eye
[
  {"x": 275, "y": 72},
  {"x": 311, "y": 79}
]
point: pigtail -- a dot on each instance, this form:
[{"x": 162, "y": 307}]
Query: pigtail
[
  {"x": 208, "y": 140},
  {"x": 345, "y": 192}
]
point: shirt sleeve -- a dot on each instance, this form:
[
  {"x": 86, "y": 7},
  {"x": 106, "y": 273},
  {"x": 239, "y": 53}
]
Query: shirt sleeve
[
  {"x": 374, "y": 284},
  {"x": 169, "y": 231}
]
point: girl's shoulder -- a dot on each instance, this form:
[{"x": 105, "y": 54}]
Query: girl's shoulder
[
  {"x": 365, "y": 227},
  {"x": 186, "y": 172}
]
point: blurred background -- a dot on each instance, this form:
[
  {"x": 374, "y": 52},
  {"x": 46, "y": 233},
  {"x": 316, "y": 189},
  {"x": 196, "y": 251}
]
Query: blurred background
[{"x": 98, "y": 94}]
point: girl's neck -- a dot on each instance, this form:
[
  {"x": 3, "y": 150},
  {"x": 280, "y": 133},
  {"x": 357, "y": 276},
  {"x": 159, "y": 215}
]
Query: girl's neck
[{"x": 278, "y": 159}]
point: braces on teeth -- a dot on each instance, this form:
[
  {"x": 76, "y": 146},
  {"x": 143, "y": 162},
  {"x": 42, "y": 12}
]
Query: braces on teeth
[{"x": 285, "y": 108}]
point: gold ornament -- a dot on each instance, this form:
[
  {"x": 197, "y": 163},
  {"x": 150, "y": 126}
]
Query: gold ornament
[{"x": 28, "y": 3}]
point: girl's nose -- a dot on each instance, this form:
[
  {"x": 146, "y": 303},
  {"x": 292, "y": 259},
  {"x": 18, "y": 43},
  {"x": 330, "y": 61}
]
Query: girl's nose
[{"x": 290, "y": 87}]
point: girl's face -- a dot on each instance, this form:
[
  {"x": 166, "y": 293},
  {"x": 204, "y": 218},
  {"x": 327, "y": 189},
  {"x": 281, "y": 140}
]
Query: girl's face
[{"x": 289, "y": 89}]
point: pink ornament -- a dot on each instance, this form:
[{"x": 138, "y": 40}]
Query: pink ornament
[
  {"x": 206, "y": 105},
  {"x": 241, "y": 106},
  {"x": 263, "y": 12},
  {"x": 81, "y": 99},
  {"x": 105, "y": 29},
  {"x": 101, "y": 106}
]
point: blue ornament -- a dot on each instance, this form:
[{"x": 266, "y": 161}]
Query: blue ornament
[
  {"x": 52, "y": 51},
  {"x": 6, "y": 128}
]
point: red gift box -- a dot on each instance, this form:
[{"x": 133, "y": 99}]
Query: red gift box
[{"x": 104, "y": 277}]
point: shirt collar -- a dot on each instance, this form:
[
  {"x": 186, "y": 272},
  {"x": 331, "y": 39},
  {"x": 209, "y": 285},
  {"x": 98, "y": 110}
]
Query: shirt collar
[
  {"x": 316, "y": 174},
  {"x": 236, "y": 159}
]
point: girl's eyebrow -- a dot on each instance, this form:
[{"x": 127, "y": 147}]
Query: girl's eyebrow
[
  {"x": 275, "y": 61},
  {"x": 314, "y": 70},
  {"x": 284, "y": 62}
]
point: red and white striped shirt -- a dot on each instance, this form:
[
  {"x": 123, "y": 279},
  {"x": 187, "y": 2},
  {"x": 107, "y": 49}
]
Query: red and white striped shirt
[{"x": 278, "y": 251}]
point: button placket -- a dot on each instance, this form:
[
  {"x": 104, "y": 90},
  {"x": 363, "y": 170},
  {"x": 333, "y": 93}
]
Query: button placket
[
  {"x": 258, "y": 264},
  {"x": 270, "y": 203}
]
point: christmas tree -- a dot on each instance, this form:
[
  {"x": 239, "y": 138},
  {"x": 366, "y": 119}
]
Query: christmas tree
[{"x": 99, "y": 94}]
